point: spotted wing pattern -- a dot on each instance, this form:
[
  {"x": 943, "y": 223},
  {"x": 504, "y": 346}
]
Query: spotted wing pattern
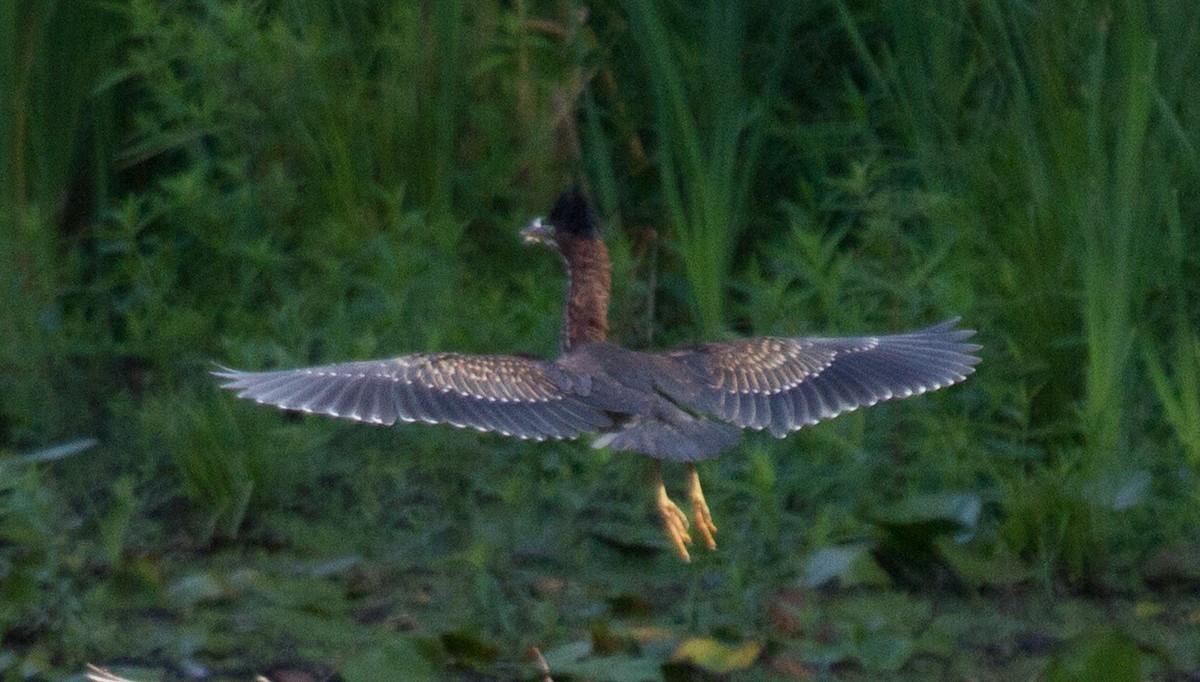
[
  {"x": 512, "y": 395},
  {"x": 784, "y": 384}
]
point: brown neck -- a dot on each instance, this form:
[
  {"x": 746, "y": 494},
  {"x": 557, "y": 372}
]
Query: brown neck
[{"x": 589, "y": 280}]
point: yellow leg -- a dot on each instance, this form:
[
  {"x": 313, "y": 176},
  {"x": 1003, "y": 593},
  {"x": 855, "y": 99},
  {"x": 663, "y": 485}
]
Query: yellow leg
[
  {"x": 675, "y": 523},
  {"x": 700, "y": 513}
]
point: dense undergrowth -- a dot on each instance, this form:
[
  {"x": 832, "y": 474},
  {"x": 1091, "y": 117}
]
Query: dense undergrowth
[{"x": 270, "y": 184}]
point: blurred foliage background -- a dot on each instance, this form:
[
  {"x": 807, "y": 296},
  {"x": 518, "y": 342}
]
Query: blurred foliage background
[{"x": 285, "y": 182}]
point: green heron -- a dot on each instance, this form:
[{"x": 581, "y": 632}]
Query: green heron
[{"x": 683, "y": 405}]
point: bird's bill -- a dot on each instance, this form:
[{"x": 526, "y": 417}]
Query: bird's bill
[{"x": 538, "y": 232}]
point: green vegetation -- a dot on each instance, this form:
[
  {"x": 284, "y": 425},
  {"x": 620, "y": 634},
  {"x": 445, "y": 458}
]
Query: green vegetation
[{"x": 268, "y": 184}]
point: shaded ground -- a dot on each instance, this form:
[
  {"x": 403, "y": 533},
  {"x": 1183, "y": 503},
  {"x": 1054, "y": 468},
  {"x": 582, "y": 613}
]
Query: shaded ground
[
  {"x": 377, "y": 620},
  {"x": 598, "y": 593}
]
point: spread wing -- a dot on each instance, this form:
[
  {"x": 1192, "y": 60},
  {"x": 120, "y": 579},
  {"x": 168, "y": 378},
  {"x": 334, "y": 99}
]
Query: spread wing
[
  {"x": 783, "y": 384},
  {"x": 512, "y": 395}
]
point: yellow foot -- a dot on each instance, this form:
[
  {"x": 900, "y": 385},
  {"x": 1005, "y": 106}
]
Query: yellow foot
[
  {"x": 700, "y": 513},
  {"x": 675, "y": 523}
]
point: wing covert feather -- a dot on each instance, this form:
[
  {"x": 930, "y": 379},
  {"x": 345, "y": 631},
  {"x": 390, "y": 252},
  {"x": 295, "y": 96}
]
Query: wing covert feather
[
  {"x": 512, "y": 395},
  {"x": 783, "y": 384}
]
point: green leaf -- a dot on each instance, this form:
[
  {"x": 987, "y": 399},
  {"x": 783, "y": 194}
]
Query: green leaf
[
  {"x": 923, "y": 517},
  {"x": 827, "y": 563},
  {"x": 851, "y": 564},
  {"x": 980, "y": 566},
  {"x": 570, "y": 653},
  {"x": 885, "y": 651},
  {"x": 612, "y": 669},
  {"x": 193, "y": 589},
  {"x": 469, "y": 647},
  {"x": 397, "y": 659},
  {"x": 1104, "y": 656},
  {"x": 1132, "y": 491},
  {"x": 114, "y": 525}
]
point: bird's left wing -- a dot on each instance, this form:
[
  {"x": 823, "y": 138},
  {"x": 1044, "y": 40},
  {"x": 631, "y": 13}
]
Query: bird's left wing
[
  {"x": 783, "y": 384},
  {"x": 512, "y": 395}
]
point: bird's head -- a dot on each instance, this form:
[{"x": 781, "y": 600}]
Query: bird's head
[{"x": 571, "y": 218}]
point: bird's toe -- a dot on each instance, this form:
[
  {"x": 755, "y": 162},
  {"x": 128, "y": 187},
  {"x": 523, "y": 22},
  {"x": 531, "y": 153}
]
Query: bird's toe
[
  {"x": 700, "y": 513},
  {"x": 675, "y": 522}
]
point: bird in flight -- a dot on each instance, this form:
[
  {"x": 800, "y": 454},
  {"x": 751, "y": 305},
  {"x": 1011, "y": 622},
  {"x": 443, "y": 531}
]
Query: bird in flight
[{"x": 685, "y": 405}]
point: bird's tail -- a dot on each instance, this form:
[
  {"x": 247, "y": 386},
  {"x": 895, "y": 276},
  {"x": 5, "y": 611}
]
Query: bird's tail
[{"x": 685, "y": 440}]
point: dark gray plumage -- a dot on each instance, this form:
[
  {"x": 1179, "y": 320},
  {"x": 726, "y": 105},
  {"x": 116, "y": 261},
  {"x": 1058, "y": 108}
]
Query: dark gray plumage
[
  {"x": 784, "y": 384},
  {"x": 511, "y": 395},
  {"x": 652, "y": 403}
]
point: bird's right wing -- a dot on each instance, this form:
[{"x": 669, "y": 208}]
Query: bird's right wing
[
  {"x": 784, "y": 384},
  {"x": 512, "y": 395}
]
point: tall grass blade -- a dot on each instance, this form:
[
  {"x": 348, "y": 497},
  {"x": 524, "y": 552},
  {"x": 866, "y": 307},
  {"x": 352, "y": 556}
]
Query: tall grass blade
[
  {"x": 1178, "y": 390},
  {"x": 10, "y": 103},
  {"x": 1110, "y": 227},
  {"x": 710, "y": 127}
]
